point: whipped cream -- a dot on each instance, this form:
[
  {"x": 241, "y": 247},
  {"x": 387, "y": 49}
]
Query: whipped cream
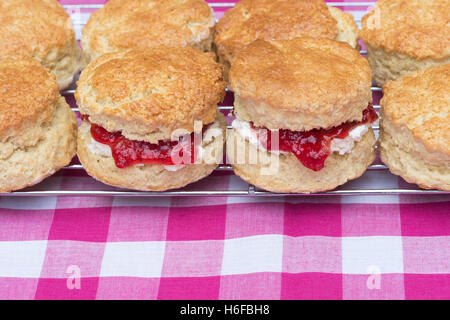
[
  {"x": 99, "y": 148},
  {"x": 342, "y": 146},
  {"x": 245, "y": 131},
  {"x": 209, "y": 135}
]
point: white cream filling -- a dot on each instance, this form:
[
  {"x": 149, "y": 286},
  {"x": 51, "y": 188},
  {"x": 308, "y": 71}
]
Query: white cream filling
[
  {"x": 342, "y": 146},
  {"x": 211, "y": 133},
  {"x": 245, "y": 131},
  {"x": 346, "y": 145},
  {"x": 99, "y": 148}
]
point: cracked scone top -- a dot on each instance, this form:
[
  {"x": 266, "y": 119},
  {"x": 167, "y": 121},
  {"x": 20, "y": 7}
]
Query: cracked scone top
[
  {"x": 421, "y": 103},
  {"x": 37, "y": 127},
  {"x": 403, "y": 36},
  {"x": 300, "y": 84},
  {"x": 419, "y": 28},
  {"x": 251, "y": 20},
  {"x": 148, "y": 93},
  {"x": 125, "y": 24},
  {"x": 415, "y": 127},
  {"x": 28, "y": 94},
  {"x": 42, "y": 30}
]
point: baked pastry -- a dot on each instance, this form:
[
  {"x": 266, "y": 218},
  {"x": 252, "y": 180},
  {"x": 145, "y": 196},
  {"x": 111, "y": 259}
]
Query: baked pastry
[
  {"x": 403, "y": 36},
  {"x": 303, "y": 114},
  {"x": 145, "y": 113},
  {"x": 42, "y": 30},
  {"x": 37, "y": 127},
  {"x": 415, "y": 127},
  {"x": 250, "y": 20},
  {"x": 127, "y": 24}
]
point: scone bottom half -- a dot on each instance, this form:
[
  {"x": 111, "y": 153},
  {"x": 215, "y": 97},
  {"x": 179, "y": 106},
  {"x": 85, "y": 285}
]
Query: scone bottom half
[
  {"x": 112, "y": 158},
  {"x": 287, "y": 161}
]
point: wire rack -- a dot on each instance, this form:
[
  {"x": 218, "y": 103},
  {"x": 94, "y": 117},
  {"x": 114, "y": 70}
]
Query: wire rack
[{"x": 369, "y": 184}]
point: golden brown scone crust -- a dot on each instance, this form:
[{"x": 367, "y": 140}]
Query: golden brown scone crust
[
  {"x": 28, "y": 94},
  {"x": 251, "y": 20},
  {"x": 418, "y": 28},
  {"x": 300, "y": 84},
  {"x": 40, "y": 29},
  {"x": 37, "y": 127},
  {"x": 148, "y": 93},
  {"x": 420, "y": 103},
  {"x": 149, "y": 177},
  {"x": 126, "y": 24},
  {"x": 415, "y": 127},
  {"x": 286, "y": 174}
]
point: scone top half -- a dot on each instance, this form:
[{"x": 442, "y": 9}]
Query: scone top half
[
  {"x": 127, "y": 24},
  {"x": 37, "y": 127},
  {"x": 301, "y": 84},
  {"x": 415, "y": 127},
  {"x": 403, "y": 36},
  {"x": 147, "y": 94},
  {"x": 40, "y": 29},
  {"x": 251, "y": 20}
]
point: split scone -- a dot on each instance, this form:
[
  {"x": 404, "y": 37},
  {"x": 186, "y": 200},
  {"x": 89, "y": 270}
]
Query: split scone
[
  {"x": 251, "y": 20},
  {"x": 150, "y": 119},
  {"x": 415, "y": 127},
  {"x": 127, "y": 24},
  {"x": 303, "y": 115},
  {"x": 37, "y": 127},
  {"x": 40, "y": 29},
  {"x": 403, "y": 36}
]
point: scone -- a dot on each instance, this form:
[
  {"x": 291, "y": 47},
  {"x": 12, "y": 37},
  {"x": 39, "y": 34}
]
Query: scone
[
  {"x": 42, "y": 30},
  {"x": 403, "y": 36},
  {"x": 415, "y": 128},
  {"x": 127, "y": 24},
  {"x": 250, "y": 20},
  {"x": 150, "y": 117},
  {"x": 303, "y": 115},
  {"x": 37, "y": 127}
]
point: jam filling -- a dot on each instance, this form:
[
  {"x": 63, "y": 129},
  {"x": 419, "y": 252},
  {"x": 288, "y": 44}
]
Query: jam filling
[
  {"x": 312, "y": 148},
  {"x": 128, "y": 152}
]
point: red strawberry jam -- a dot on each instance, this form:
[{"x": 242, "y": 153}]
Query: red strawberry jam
[
  {"x": 312, "y": 148},
  {"x": 128, "y": 152}
]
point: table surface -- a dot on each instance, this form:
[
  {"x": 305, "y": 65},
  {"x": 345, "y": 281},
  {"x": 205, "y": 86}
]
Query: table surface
[{"x": 349, "y": 247}]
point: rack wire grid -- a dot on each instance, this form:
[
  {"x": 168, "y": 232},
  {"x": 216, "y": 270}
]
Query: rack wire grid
[{"x": 376, "y": 181}]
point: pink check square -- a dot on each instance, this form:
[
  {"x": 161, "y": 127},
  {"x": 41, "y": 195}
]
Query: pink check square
[
  {"x": 254, "y": 286},
  {"x": 138, "y": 224},
  {"x": 64, "y": 259},
  {"x": 373, "y": 287},
  {"x": 81, "y": 224},
  {"x": 311, "y": 219},
  {"x": 189, "y": 288},
  {"x": 312, "y": 254},
  {"x": 25, "y": 225},
  {"x": 196, "y": 223},
  {"x": 192, "y": 258},
  {"x": 300, "y": 286},
  {"x": 127, "y": 288},
  {"x": 244, "y": 220},
  {"x": 426, "y": 255}
]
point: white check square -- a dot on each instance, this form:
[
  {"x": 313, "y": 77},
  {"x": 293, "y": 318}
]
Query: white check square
[
  {"x": 133, "y": 259},
  {"x": 362, "y": 255},
  {"x": 22, "y": 259},
  {"x": 263, "y": 253}
]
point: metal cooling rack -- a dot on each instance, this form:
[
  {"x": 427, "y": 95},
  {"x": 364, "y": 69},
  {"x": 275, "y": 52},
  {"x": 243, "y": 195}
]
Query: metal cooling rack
[{"x": 375, "y": 173}]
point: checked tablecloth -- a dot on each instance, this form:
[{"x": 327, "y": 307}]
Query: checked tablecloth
[{"x": 349, "y": 247}]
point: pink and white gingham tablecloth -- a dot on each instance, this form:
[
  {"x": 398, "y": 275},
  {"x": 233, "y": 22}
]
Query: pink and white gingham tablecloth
[{"x": 349, "y": 247}]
